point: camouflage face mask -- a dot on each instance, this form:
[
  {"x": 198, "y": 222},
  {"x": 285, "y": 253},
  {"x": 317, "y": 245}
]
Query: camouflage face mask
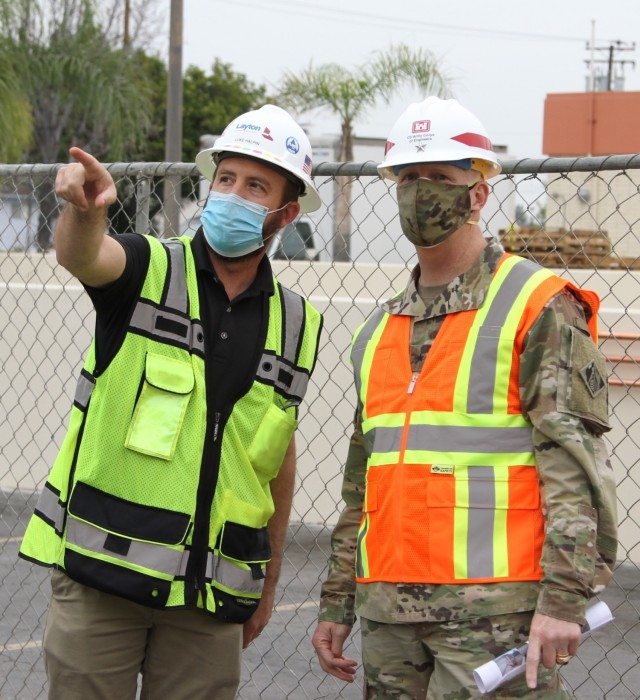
[{"x": 431, "y": 211}]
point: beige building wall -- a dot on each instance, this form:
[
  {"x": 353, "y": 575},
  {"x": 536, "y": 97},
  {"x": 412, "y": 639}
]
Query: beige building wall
[
  {"x": 580, "y": 200},
  {"x": 48, "y": 320}
]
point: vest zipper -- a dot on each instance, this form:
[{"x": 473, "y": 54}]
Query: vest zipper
[
  {"x": 200, "y": 542},
  {"x": 216, "y": 426},
  {"x": 209, "y": 470},
  {"x": 412, "y": 383},
  {"x": 201, "y": 572}
]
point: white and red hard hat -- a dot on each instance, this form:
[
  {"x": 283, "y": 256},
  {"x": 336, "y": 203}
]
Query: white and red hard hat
[
  {"x": 271, "y": 135},
  {"x": 438, "y": 131}
]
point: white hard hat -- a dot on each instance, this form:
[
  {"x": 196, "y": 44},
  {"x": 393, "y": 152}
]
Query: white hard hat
[
  {"x": 269, "y": 134},
  {"x": 437, "y": 131}
]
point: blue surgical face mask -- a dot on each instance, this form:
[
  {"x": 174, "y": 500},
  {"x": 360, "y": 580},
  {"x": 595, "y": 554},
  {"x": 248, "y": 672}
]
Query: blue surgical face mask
[{"x": 233, "y": 225}]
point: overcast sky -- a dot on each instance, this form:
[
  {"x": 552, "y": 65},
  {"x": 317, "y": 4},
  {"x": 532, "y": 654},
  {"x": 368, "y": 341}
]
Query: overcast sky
[{"x": 505, "y": 56}]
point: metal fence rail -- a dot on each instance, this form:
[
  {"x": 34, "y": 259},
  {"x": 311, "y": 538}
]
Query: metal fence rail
[{"x": 578, "y": 215}]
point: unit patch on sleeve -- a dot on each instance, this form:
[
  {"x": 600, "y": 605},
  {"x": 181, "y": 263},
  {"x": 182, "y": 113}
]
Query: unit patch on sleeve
[{"x": 593, "y": 379}]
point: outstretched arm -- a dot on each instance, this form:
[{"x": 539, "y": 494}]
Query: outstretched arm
[{"x": 80, "y": 241}]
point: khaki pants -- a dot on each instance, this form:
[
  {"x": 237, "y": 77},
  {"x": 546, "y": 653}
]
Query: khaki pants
[{"x": 96, "y": 644}]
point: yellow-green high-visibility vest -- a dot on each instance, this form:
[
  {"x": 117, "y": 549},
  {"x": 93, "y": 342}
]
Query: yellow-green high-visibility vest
[{"x": 153, "y": 497}]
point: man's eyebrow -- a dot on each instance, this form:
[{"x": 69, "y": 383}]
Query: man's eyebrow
[{"x": 254, "y": 178}]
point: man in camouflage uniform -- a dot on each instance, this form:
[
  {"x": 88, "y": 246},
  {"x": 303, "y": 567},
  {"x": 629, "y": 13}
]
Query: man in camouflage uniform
[{"x": 423, "y": 640}]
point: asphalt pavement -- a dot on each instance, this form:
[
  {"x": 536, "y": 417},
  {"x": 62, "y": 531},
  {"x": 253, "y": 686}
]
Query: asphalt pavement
[{"x": 281, "y": 663}]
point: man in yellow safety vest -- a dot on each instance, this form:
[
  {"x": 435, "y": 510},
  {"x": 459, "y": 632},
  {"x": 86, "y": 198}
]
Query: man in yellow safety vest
[{"x": 165, "y": 513}]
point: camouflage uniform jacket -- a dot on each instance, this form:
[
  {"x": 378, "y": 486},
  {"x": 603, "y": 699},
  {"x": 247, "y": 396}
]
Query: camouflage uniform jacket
[{"x": 575, "y": 475}]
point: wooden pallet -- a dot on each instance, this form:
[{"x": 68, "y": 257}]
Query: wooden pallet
[{"x": 565, "y": 248}]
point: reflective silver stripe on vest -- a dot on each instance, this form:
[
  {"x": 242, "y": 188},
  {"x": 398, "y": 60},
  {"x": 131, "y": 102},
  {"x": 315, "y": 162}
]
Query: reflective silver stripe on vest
[
  {"x": 387, "y": 439},
  {"x": 176, "y": 287},
  {"x": 360, "y": 346},
  {"x": 481, "y": 516},
  {"x": 273, "y": 369},
  {"x": 294, "y": 323},
  {"x": 170, "y": 322},
  {"x": 144, "y": 320},
  {"x": 456, "y": 438},
  {"x": 360, "y": 547},
  {"x": 50, "y": 508},
  {"x": 156, "y": 557},
  {"x": 484, "y": 361},
  {"x": 233, "y": 577},
  {"x": 84, "y": 389},
  {"x": 269, "y": 371}
]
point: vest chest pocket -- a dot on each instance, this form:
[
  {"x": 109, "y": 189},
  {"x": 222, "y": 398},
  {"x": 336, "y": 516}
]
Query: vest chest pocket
[
  {"x": 161, "y": 407},
  {"x": 269, "y": 445}
]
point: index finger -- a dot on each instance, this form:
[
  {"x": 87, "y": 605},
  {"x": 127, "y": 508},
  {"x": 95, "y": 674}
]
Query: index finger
[
  {"x": 84, "y": 158},
  {"x": 531, "y": 666}
]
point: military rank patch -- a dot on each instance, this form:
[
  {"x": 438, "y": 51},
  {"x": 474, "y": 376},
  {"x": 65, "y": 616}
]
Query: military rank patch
[
  {"x": 593, "y": 379},
  {"x": 442, "y": 468}
]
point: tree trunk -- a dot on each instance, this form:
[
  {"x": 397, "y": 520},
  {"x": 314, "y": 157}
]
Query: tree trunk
[{"x": 342, "y": 238}]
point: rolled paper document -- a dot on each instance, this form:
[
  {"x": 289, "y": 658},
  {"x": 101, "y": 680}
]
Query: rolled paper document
[{"x": 503, "y": 668}]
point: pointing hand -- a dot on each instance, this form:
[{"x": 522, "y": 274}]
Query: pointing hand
[{"x": 85, "y": 184}]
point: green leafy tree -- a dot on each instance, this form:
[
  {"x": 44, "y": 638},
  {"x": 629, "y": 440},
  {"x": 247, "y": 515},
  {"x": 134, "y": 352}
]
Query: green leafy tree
[
  {"x": 81, "y": 85},
  {"x": 351, "y": 93},
  {"x": 15, "y": 113},
  {"x": 211, "y": 101},
  {"x": 152, "y": 78}
]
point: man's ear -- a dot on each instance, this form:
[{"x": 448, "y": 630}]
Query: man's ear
[
  {"x": 289, "y": 213},
  {"x": 479, "y": 195}
]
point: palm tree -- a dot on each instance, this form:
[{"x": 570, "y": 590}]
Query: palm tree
[{"x": 348, "y": 94}]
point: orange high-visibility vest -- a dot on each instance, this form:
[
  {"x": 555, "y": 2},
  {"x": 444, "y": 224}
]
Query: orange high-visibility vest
[{"x": 452, "y": 491}]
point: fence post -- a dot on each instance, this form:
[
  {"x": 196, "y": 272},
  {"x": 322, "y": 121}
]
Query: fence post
[{"x": 143, "y": 196}]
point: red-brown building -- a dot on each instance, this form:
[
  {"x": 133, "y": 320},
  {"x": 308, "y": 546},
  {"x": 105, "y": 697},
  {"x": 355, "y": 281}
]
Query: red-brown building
[{"x": 591, "y": 123}]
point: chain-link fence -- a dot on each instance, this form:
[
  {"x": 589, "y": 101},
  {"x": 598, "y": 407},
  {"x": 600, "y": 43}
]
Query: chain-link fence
[{"x": 580, "y": 216}]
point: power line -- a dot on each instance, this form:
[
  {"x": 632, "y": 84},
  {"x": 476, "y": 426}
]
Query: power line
[
  {"x": 613, "y": 80},
  {"x": 353, "y": 16}
]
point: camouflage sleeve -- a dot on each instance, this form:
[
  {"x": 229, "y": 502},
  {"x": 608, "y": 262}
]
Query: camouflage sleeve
[
  {"x": 338, "y": 591},
  {"x": 564, "y": 392}
]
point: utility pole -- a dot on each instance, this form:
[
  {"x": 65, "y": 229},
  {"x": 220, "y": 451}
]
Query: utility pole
[
  {"x": 173, "y": 131},
  {"x": 612, "y": 79},
  {"x": 127, "y": 14}
]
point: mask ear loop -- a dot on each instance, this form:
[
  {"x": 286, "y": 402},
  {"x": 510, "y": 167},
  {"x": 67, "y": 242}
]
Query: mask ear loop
[
  {"x": 472, "y": 221},
  {"x": 274, "y": 211},
  {"x": 270, "y": 237}
]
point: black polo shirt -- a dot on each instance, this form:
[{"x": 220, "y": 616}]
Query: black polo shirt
[{"x": 235, "y": 331}]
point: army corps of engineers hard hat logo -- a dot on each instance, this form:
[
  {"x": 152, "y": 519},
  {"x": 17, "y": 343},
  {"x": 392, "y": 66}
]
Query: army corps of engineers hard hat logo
[
  {"x": 420, "y": 133},
  {"x": 421, "y": 126}
]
